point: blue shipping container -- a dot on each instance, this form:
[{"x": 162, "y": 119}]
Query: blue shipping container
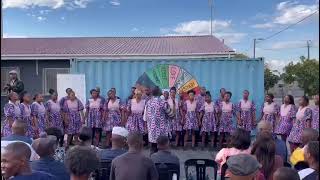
[{"x": 233, "y": 74}]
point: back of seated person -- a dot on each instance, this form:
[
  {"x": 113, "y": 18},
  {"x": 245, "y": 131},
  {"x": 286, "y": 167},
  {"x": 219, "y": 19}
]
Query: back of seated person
[
  {"x": 18, "y": 132},
  {"x": 285, "y": 173},
  {"x": 311, "y": 154},
  {"x": 45, "y": 148},
  {"x": 15, "y": 163},
  {"x": 34, "y": 155},
  {"x": 164, "y": 155},
  {"x": 118, "y": 139}
]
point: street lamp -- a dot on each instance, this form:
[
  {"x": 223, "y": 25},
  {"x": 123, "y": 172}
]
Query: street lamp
[{"x": 255, "y": 41}]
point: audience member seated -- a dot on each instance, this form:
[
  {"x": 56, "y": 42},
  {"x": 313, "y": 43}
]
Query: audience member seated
[
  {"x": 60, "y": 150},
  {"x": 264, "y": 148},
  {"x": 286, "y": 173},
  {"x": 118, "y": 139},
  {"x": 239, "y": 144},
  {"x": 18, "y": 132},
  {"x": 45, "y": 148},
  {"x": 308, "y": 135},
  {"x": 133, "y": 164},
  {"x": 311, "y": 155},
  {"x": 281, "y": 147},
  {"x": 164, "y": 155},
  {"x": 85, "y": 138},
  {"x": 81, "y": 162},
  {"x": 244, "y": 167},
  {"x": 15, "y": 163}
]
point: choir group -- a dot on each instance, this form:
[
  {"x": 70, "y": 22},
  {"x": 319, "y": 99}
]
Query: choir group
[{"x": 196, "y": 114}]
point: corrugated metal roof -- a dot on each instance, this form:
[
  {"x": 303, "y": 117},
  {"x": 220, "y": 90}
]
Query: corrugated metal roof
[{"x": 115, "y": 46}]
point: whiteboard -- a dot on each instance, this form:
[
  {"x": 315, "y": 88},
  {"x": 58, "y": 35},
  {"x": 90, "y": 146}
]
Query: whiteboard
[{"x": 77, "y": 82}]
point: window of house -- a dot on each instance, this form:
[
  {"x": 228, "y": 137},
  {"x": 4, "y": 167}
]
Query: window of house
[
  {"x": 50, "y": 78},
  {"x": 5, "y": 77}
]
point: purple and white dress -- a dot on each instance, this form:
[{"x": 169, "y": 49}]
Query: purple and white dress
[
  {"x": 135, "y": 120},
  {"x": 270, "y": 113},
  {"x": 73, "y": 109},
  {"x": 176, "y": 122},
  {"x": 55, "y": 115},
  {"x": 114, "y": 115},
  {"x": 191, "y": 119},
  {"x": 38, "y": 111},
  {"x": 94, "y": 108},
  {"x": 156, "y": 118},
  {"x": 228, "y": 111},
  {"x": 287, "y": 116},
  {"x": 11, "y": 110},
  {"x": 26, "y": 116},
  {"x": 299, "y": 124},
  {"x": 246, "y": 110},
  {"x": 209, "y": 119},
  {"x": 315, "y": 118}
]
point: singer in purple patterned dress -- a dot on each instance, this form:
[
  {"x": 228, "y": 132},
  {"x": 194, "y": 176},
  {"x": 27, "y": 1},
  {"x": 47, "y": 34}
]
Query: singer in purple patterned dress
[
  {"x": 303, "y": 120},
  {"x": 227, "y": 111},
  {"x": 287, "y": 115},
  {"x": 209, "y": 123},
  {"x": 38, "y": 112},
  {"x": 246, "y": 112},
  {"x": 176, "y": 121},
  {"x": 25, "y": 108},
  {"x": 135, "y": 110},
  {"x": 11, "y": 112},
  {"x": 54, "y": 112},
  {"x": 270, "y": 111},
  {"x": 73, "y": 109},
  {"x": 315, "y": 114}
]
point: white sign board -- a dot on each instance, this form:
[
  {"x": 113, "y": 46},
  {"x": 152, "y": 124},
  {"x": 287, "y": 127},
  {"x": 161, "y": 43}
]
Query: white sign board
[{"x": 77, "y": 82}]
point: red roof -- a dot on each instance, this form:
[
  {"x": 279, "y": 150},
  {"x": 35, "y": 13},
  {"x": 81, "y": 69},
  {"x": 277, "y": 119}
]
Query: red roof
[{"x": 115, "y": 46}]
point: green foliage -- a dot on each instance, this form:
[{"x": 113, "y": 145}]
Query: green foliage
[
  {"x": 270, "y": 79},
  {"x": 306, "y": 73},
  {"x": 240, "y": 56}
]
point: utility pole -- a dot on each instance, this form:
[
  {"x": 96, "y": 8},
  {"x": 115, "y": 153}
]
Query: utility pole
[
  {"x": 308, "y": 46},
  {"x": 211, "y": 9}
]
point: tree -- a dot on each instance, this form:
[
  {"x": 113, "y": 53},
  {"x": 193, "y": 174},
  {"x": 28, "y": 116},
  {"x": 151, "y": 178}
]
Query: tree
[
  {"x": 306, "y": 73},
  {"x": 270, "y": 79},
  {"x": 240, "y": 56}
]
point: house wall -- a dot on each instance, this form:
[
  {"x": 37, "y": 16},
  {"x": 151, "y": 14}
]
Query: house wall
[{"x": 32, "y": 78}]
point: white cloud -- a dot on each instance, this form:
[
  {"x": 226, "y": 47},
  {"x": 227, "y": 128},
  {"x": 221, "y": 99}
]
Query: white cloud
[
  {"x": 53, "y": 4},
  {"x": 115, "y": 2},
  {"x": 134, "y": 29},
  {"x": 62, "y": 18},
  {"x": 278, "y": 65},
  {"x": 293, "y": 44},
  {"x": 41, "y": 18},
  {"x": 288, "y": 12},
  {"x": 263, "y": 25},
  {"x": 221, "y": 29}
]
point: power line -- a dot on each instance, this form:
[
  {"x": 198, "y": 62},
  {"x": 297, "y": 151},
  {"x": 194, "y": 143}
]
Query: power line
[{"x": 291, "y": 25}]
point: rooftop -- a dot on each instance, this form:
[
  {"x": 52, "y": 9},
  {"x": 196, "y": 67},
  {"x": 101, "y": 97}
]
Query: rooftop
[{"x": 114, "y": 46}]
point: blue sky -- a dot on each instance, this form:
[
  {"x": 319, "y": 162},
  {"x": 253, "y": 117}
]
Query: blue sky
[{"x": 238, "y": 22}]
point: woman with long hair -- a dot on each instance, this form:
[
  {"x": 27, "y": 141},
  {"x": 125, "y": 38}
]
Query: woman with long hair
[
  {"x": 264, "y": 148},
  {"x": 38, "y": 112},
  {"x": 25, "y": 107},
  {"x": 12, "y": 112},
  {"x": 303, "y": 120},
  {"x": 74, "y": 117},
  {"x": 94, "y": 115},
  {"x": 287, "y": 115},
  {"x": 270, "y": 110}
]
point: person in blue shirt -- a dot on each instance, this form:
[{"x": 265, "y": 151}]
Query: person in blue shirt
[
  {"x": 18, "y": 132},
  {"x": 45, "y": 148},
  {"x": 15, "y": 164}
]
